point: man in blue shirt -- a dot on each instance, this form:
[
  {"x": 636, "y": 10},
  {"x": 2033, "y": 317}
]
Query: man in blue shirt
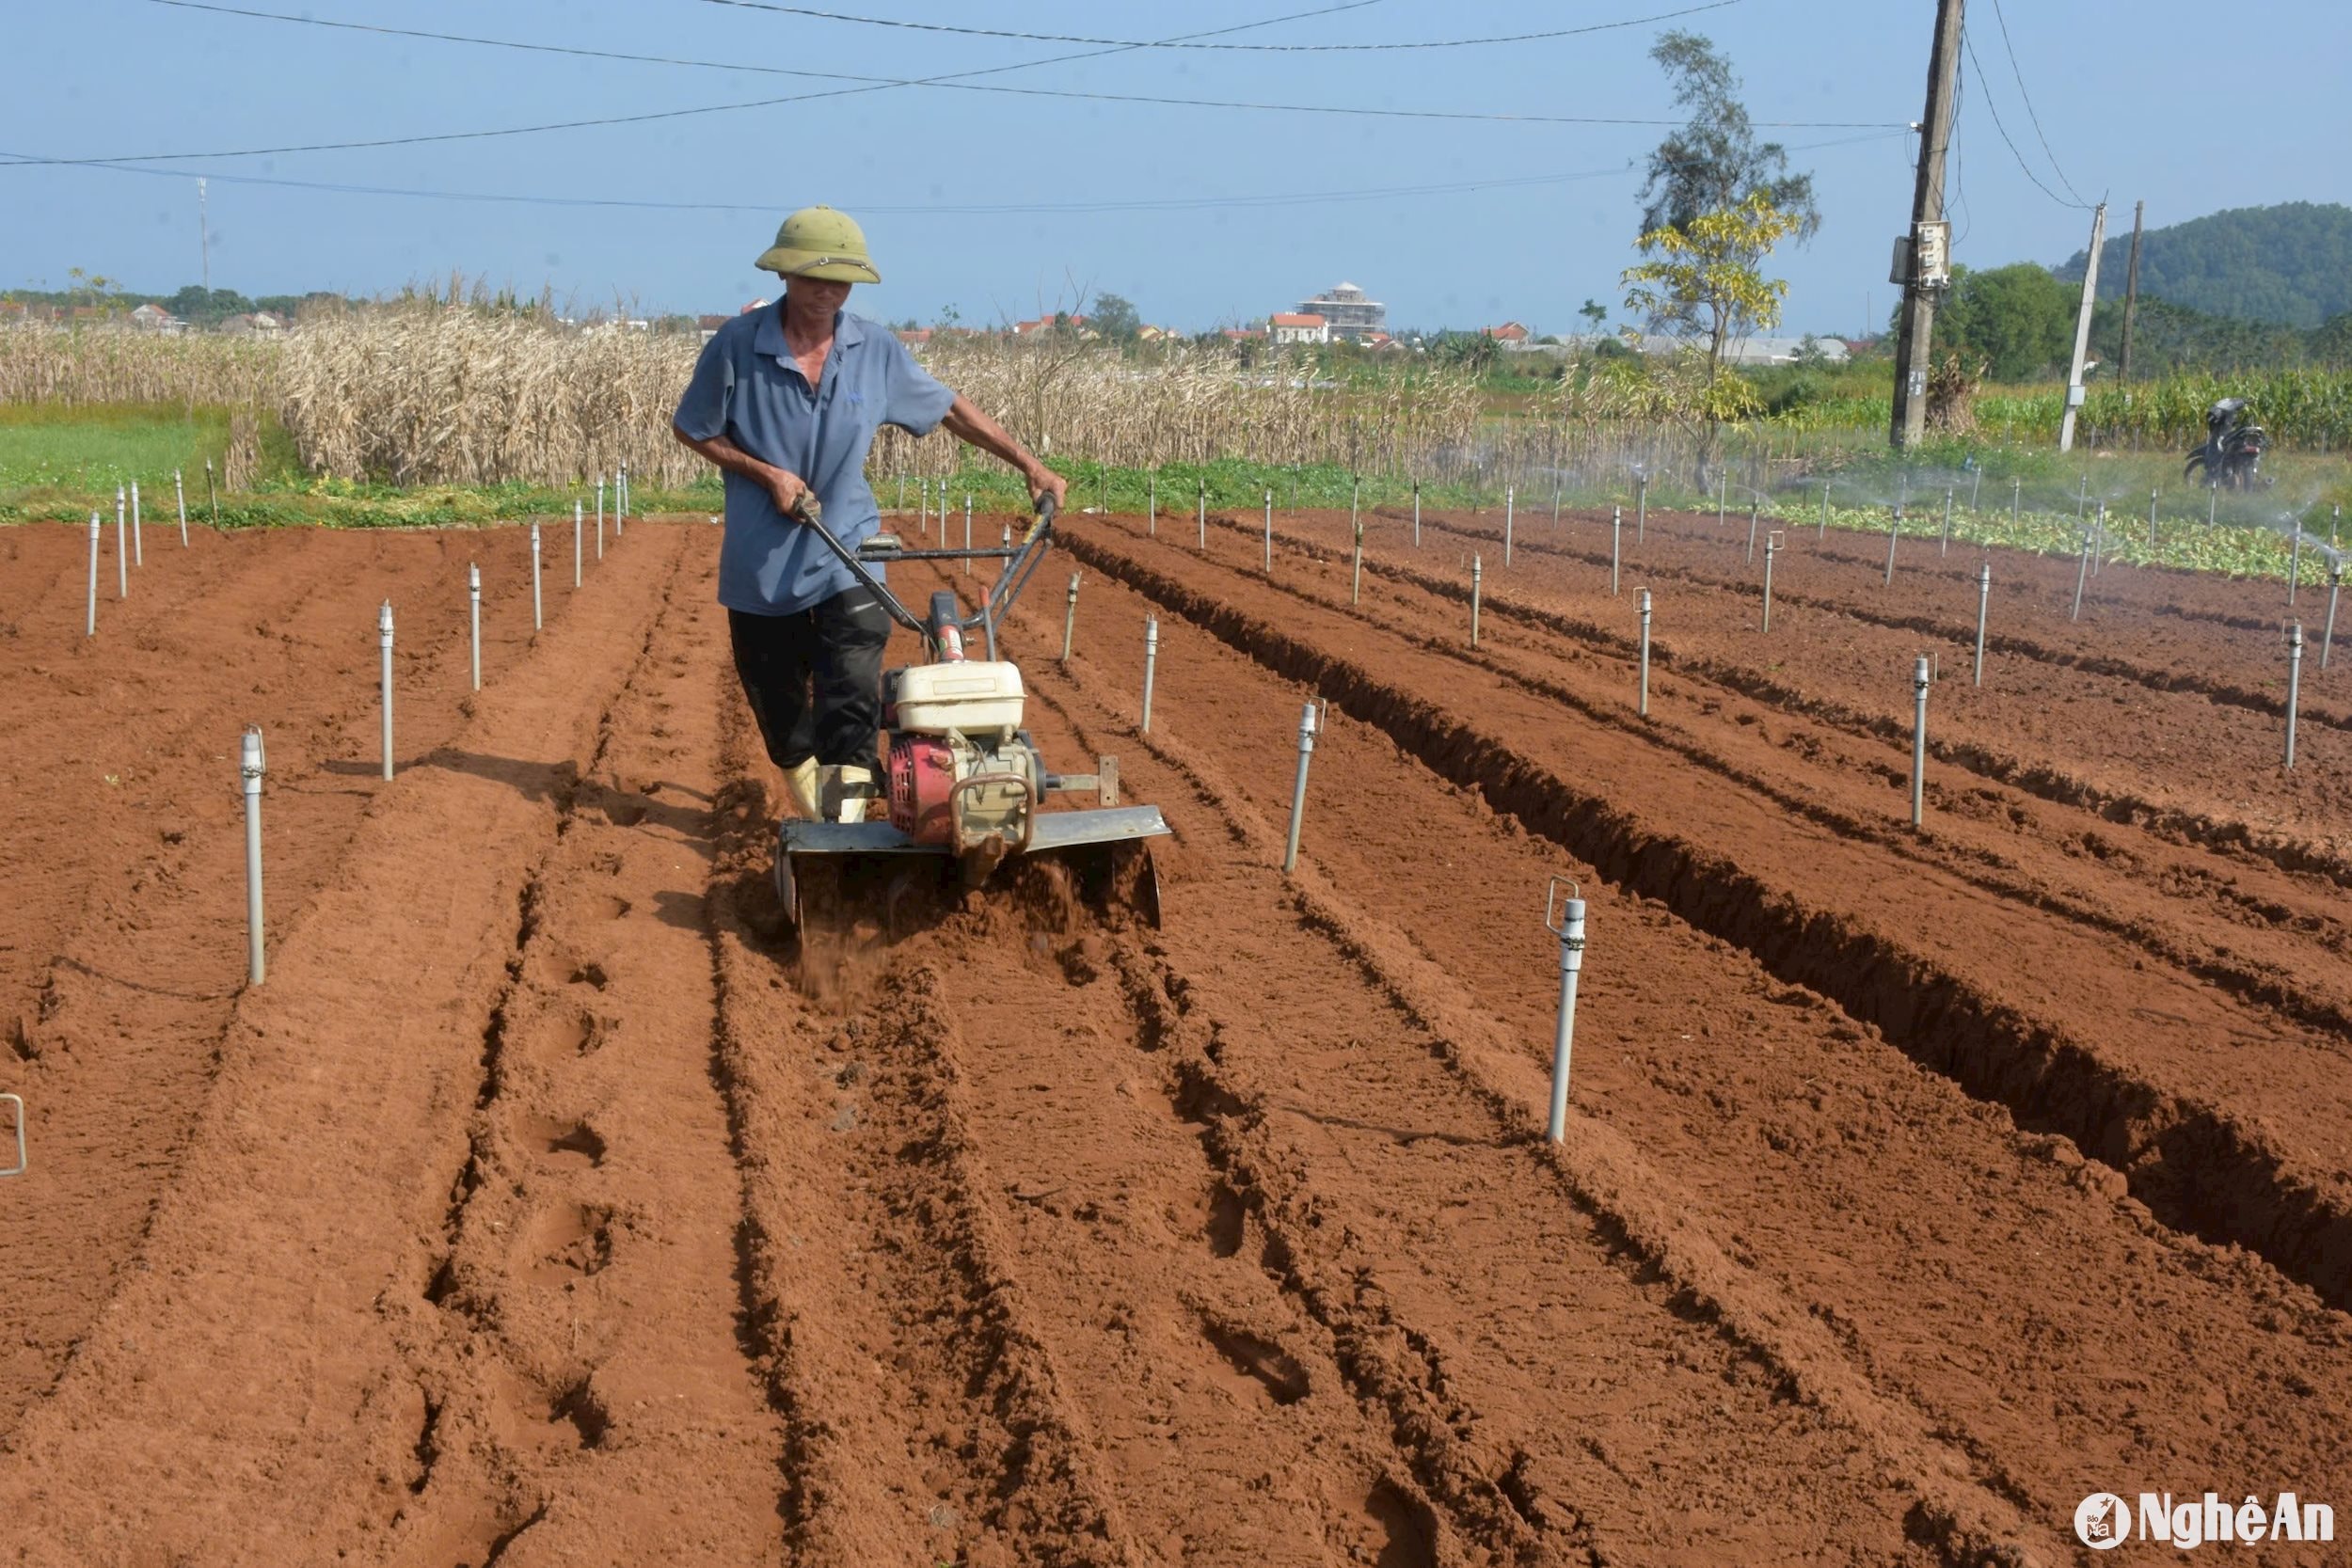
[{"x": 787, "y": 401}]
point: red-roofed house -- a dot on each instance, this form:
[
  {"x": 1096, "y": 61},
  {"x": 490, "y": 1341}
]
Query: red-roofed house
[
  {"x": 1294, "y": 327},
  {"x": 914, "y": 337},
  {"x": 1509, "y": 332},
  {"x": 1243, "y": 334}
]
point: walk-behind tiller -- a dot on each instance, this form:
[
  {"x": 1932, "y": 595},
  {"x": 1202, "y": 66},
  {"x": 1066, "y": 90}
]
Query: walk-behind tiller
[{"x": 966, "y": 784}]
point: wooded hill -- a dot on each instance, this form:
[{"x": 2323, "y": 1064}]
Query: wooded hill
[{"x": 2287, "y": 265}]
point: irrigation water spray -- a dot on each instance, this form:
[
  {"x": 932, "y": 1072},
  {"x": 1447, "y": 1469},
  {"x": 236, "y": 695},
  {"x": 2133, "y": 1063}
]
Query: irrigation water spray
[{"x": 1565, "y": 919}]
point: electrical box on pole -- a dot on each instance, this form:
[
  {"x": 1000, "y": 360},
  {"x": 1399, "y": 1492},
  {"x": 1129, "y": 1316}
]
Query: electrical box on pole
[
  {"x": 2082, "y": 328},
  {"x": 1923, "y": 256}
]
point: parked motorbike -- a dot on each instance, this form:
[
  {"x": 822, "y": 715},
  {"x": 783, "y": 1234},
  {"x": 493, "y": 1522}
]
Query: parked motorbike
[{"x": 2233, "y": 449}]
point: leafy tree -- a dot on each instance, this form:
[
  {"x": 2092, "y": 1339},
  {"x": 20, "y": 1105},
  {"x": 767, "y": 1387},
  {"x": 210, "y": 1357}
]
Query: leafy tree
[
  {"x": 2331, "y": 345},
  {"x": 1705, "y": 284},
  {"x": 1593, "y": 311},
  {"x": 1713, "y": 162},
  {"x": 1115, "y": 318},
  {"x": 2018, "y": 321}
]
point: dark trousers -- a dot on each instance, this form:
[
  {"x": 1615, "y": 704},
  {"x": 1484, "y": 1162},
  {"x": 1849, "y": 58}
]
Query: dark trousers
[{"x": 814, "y": 678}]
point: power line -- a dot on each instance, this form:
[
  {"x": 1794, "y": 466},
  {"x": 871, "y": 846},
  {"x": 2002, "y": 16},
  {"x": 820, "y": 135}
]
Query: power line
[
  {"x": 939, "y": 210},
  {"x": 681, "y": 114},
  {"x": 947, "y": 84},
  {"x": 1251, "y": 48},
  {"x": 2029, "y": 114},
  {"x": 1970, "y": 46}
]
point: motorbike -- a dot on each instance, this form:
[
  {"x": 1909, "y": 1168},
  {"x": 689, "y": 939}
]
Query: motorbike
[{"x": 2233, "y": 449}]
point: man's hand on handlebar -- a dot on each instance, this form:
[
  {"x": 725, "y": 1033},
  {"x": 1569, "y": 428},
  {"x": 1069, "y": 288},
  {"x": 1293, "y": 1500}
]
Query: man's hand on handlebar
[
  {"x": 785, "y": 489},
  {"x": 1044, "y": 482}
]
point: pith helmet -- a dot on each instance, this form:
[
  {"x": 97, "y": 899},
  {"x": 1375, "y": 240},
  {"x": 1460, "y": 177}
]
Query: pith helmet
[{"x": 817, "y": 241}]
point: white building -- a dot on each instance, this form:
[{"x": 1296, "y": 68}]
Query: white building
[
  {"x": 1303, "y": 327},
  {"x": 1350, "y": 314}
]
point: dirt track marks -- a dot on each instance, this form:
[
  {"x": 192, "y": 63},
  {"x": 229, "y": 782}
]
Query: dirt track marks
[
  {"x": 1929, "y": 1250},
  {"x": 259, "y": 1355},
  {"x": 1527, "y": 1364},
  {"x": 588, "y": 1396},
  {"x": 2027, "y": 1019},
  {"x": 128, "y": 955}
]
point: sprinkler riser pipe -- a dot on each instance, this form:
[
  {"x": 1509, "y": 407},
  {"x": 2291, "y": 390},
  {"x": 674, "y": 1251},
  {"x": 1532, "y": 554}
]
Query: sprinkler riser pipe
[
  {"x": 1644, "y": 602},
  {"x": 473, "y": 617},
  {"x": 1151, "y": 506},
  {"x": 2082, "y": 574},
  {"x": 180, "y": 499},
  {"x": 1945, "y": 547},
  {"x": 122, "y": 548},
  {"x": 2294, "y": 552},
  {"x": 538, "y": 619},
  {"x": 1269, "y": 533},
  {"x": 1299, "y": 789},
  {"x": 1920, "y": 679},
  {"x": 1985, "y": 601},
  {"x": 2295, "y": 683},
  {"x": 1641, "y": 508},
  {"x": 1417, "y": 514},
  {"x": 1771, "y": 547},
  {"x": 1752, "y": 511},
  {"x": 95, "y": 529},
  {"x": 1150, "y": 665},
  {"x": 384, "y": 642},
  {"x": 1616, "y": 545},
  {"x": 1564, "y": 1033},
  {"x": 250, "y": 765},
  {"x": 1894, "y": 532},
  {"x": 2327, "y": 636},
  {"x": 1355, "y": 578},
  {"x": 1510, "y": 507},
  {"x": 211, "y": 494},
  {"x": 1070, "y": 619},
  {"x": 138, "y": 532},
  {"x": 576, "y": 543},
  {"x": 1476, "y": 574},
  {"x": 1205, "y": 514}
]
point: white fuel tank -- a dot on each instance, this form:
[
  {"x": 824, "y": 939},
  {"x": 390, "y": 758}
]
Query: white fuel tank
[{"x": 974, "y": 697}]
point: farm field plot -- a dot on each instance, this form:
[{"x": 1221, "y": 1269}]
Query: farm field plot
[{"x": 546, "y": 1206}]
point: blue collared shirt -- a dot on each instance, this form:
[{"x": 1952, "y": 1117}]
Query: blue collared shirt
[{"x": 747, "y": 388}]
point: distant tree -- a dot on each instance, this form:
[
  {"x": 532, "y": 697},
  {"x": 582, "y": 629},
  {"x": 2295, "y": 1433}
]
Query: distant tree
[
  {"x": 1713, "y": 162},
  {"x": 1115, "y": 318},
  {"x": 2018, "y": 321},
  {"x": 2331, "y": 345},
  {"x": 1593, "y": 310},
  {"x": 1704, "y": 283}
]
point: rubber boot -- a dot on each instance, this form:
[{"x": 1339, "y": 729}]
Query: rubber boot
[
  {"x": 802, "y": 784},
  {"x": 848, "y": 788}
]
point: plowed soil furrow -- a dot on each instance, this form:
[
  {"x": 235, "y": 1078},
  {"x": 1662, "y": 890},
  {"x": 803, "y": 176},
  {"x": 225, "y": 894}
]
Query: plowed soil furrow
[
  {"x": 256, "y": 1354},
  {"x": 127, "y": 926},
  {"x": 924, "y": 1420},
  {"x": 2214, "y": 637},
  {"x": 2017, "y": 1006},
  {"x": 2235, "y": 920},
  {"x": 589, "y": 1395},
  {"x": 2163, "y": 761},
  {"x": 1963, "y": 1267},
  {"x": 1529, "y": 1363}
]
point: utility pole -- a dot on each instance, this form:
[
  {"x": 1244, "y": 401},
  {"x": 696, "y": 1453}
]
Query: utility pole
[
  {"x": 2131, "y": 290},
  {"x": 204, "y": 239},
  {"x": 1921, "y": 286},
  {"x": 2082, "y": 328}
]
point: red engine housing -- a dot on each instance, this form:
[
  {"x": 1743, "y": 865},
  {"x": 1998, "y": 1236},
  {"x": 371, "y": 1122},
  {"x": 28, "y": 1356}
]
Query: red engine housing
[{"x": 922, "y": 772}]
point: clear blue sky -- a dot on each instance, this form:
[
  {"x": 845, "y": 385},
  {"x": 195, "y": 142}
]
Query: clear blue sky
[{"x": 2190, "y": 106}]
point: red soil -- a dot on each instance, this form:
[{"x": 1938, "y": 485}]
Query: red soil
[{"x": 537, "y": 1209}]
